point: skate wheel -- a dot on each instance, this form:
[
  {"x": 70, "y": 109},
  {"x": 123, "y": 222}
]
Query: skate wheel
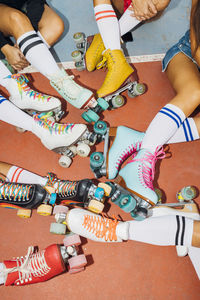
[
  {"x": 58, "y": 228},
  {"x": 21, "y": 130},
  {"x": 85, "y": 117},
  {"x": 44, "y": 210},
  {"x": 65, "y": 161},
  {"x": 159, "y": 194},
  {"x": 140, "y": 214},
  {"x": 103, "y": 103},
  {"x": 99, "y": 193},
  {"x": 140, "y": 88},
  {"x": 96, "y": 160},
  {"x": 73, "y": 148},
  {"x": 80, "y": 66},
  {"x": 76, "y": 56},
  {"x": 77, "y": 262},
  {"x": 107, "y": 188},
  {"x": 73, "y": 271},
  {"x": 83, "y": 150},
  {"x": 127, "y": 203},
  {"x": 94, "y": 117},
  {"x": 118, "y": 101},
  {"x": 72, "y": 239},
  {"x": 96, "y": 206},
  {"x": 78, "y": 37},
  {"x": 182, "y": 251},
  {"x": 100, "y": 127},
  {"x": 24, "y": 213},
  {"x": 60, "y": 209}
]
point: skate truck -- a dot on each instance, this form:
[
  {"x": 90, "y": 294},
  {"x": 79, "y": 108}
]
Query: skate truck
[
  {"x": 41, "y": 266},
  {"x": 112, "y": 101},
  {"x": 26, "y": 197}
]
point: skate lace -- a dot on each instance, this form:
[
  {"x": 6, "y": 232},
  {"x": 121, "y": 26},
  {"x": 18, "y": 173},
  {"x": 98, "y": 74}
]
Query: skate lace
[
  {"x": 29, "y": 266},
  {"x": 15, "y": 191},
  {"x": 127, "y": 152},
  {"x": 102, "y": 63},
  {"x": 67, "y": 85},
  {"x": 53, "y": 127},
  {"x": 62, "y": 187},
  {"x": 147, "y": 167},
  {"x": 22, "y": 81},
  {"x": 104, "y": 228}
]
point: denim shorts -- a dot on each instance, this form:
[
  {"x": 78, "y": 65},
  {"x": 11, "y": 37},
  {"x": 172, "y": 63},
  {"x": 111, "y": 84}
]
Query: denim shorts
[{"x": 182, "y": 46}]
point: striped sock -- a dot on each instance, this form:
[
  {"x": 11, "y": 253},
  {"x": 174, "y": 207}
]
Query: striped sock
[
  {"x": 37, "y": 53},
  {"x": 127, "y": 22},
  {"x": 163, "y": 127},
  {"x": 187, "y": 132},
  {"x": 108, "y": 25},
  {"x": 19, "y": 175}
]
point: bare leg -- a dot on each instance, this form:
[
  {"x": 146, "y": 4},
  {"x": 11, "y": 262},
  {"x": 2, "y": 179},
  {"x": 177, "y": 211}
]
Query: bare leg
[{"x": 196, "y": 234}]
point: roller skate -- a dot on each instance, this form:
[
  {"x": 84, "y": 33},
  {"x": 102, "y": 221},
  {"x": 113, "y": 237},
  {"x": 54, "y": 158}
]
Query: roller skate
[
  {"x": 29, "y": 100},
  {"x": 119, "y": 78},
  {"x": 66, "y": 139},
  {"x": 185, "y": 207},
  {"x": 37, "y": 267},
  {"x": 77, "y": 193},
  {"x": 89, "y": 51},
  {"x": 26, "y": 197},
  {"x": 126, "y": 142},
  {"x": 89, "y": 225}
]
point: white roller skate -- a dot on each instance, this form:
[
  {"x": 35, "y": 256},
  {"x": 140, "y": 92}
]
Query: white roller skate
[
  {"x": 67, "y": 139},
  {"x": 29, "y": 100}
]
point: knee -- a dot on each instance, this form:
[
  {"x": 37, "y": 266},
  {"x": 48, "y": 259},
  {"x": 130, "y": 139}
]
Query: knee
[
  {"x": 59, "y": 28},
  {"x": 18, "y": 21},
  {"x": 195, "y": 94}
]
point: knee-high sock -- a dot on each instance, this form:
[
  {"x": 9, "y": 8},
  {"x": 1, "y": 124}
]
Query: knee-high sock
[
  {"x": 127, "y": 22},
  {"x": 19, "y": 175},
  {"x": 108, "y": 25},
  {"x": 163, "y": 127},
  {"x": 194, "y": 254},
  {"x": 187, "y": 132},
  {"x": 37, "y": 53},
  {"x": 163, "y": 231},
  {"x": 11, "y": 114}
]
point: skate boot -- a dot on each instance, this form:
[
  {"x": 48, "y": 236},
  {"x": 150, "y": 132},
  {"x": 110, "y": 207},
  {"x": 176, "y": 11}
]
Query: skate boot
[
  {"x": 41, "y": 266},
  {"x": 137, "y": 177},
  {"x": 29, "y": 100},
  {"x": 26, "y": 197},
  {"x": 94, "y": 53},
  {"x": 92, "y": 226},
  {"x": 73, "y": 93},
  {"x": 126, "y": 142},
  {"x": 77, "y": 193},
  {"x": 61, "y": 137},
  {"x": 119, "y": 72}
]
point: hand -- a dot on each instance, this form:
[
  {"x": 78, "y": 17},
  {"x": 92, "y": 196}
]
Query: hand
[
  {"x": 15, "y": 57},
  {"x": 143, "y": 9}
]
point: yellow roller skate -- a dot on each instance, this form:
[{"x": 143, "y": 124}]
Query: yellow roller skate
[
  {"x": 93, "y": 55},
  {"x": 119, "y": 72}
]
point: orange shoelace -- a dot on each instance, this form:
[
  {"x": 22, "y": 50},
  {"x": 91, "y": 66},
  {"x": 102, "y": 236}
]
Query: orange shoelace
[{"x": 101, "y": 226}]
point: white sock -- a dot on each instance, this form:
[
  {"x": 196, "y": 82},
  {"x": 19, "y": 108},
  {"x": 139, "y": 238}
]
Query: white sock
[
  {"x": 2, "y": 276},
  {"x": 194, "y": 254},
  {"x": 43, "y": 39},
  {"x": 127, "y": 22},
  {"x": 11, "y": 114},
  {"x": 4, "y": 72},
  {"x": 19, "y": 175},
  {"x": 37, "y": 53},
  {"x": 163, "y": 127},
  {"x": 163, "y": 231},
  {"x": 108, "y": 26},
  {"x": 187, "y": 132}
]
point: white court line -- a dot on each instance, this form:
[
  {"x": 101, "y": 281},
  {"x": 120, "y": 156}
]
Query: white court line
[{"x": 130, "y": 59}]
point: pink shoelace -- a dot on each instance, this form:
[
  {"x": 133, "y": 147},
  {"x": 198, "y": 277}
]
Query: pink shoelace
[
  {"x": 127, "y": 152},
  {"x": 147, "y": 167}
]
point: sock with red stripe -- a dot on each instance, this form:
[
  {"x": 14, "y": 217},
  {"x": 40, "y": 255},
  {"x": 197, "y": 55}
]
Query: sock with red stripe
[
  {"x": 19, "y": 175},
  {"x": 108, "y": 25}
]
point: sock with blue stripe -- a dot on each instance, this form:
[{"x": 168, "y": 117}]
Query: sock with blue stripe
[
  {"x": 37, "y": 53},
  {"x": 187, "y": 132},
  {"x": 163, "y": 127},
  {"x": 11, "y": 114}
]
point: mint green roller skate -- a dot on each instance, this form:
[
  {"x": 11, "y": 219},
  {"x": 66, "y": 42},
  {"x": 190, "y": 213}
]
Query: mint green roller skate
[{"x": 126, "y": 142}]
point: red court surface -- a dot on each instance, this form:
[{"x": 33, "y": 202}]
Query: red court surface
[{"x": 123, "y": 271}]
